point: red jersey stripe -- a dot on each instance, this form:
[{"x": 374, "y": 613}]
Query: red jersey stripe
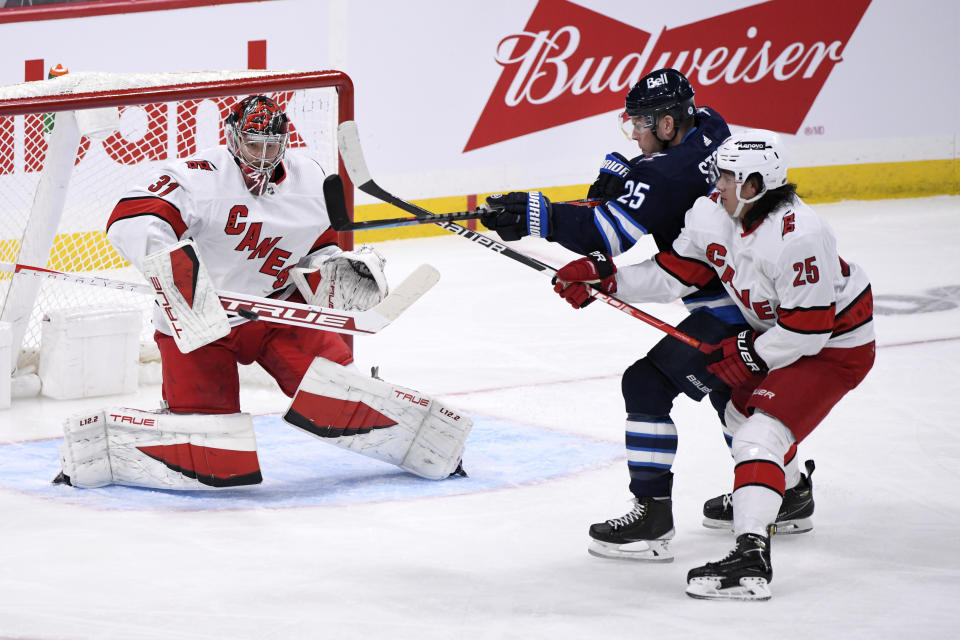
[
  {"x": 148, "y": 206},
  {"x": 326, "y": 239},
  {"x": 688, "y": 271},
  {"x": 807, "y": 320},
  {"x": 856, "y": 314}
]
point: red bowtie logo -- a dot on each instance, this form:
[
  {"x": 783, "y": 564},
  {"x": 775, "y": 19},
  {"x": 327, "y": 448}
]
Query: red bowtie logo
[{"x": 761, "y": 66}]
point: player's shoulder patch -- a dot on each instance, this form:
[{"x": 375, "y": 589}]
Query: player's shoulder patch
[
  {"x": 200, "y": 165},
  {"x": 788, "y": 222}
]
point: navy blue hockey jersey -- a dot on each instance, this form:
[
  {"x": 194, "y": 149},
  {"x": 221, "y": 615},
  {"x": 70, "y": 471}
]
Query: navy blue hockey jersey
[{"x": 657, "y": 192}]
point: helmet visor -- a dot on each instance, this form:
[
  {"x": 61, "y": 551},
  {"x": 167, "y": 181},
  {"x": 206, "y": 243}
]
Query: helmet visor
[{"x": 628, "y": 123}]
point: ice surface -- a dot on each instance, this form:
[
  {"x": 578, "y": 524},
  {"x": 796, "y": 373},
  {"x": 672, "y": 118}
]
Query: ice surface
[{"x": 339, "y": 548}]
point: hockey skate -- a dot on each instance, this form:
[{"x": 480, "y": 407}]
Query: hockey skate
[
  {"x": 745, "y": 574},
  {"x": 642, "y": 534},
  {"x": 795, "y": 511}
]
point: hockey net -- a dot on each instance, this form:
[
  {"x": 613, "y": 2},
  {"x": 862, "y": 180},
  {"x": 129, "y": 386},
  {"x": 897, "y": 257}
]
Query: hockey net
[{"x": 71, "y": 146}]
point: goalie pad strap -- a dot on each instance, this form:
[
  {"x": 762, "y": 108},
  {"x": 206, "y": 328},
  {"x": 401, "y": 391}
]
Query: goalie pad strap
[
  {"x": 187, "y": 296},
  {"x": 380, "y": 420},
  {"x": 160, "y": 451}
]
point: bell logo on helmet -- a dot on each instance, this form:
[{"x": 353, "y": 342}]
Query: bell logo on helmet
[{"x": 659, "y": 81}]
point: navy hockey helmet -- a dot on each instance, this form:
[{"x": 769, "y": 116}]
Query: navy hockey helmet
[
  {"x": 660, "y": 92},
  {"x": 256, "y": 130}
]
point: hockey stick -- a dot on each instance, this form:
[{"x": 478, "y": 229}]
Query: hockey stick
[
  {"x": 278, "y": 311},
  {"x": 356, "y": 166},
  {"x": 340, "y": 221}
]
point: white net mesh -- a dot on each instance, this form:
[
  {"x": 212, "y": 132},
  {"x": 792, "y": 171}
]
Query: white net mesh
[{"x": 150, "y": 133}]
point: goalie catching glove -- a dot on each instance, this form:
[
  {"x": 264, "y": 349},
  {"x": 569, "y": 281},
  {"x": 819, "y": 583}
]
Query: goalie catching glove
[
  {"x": 572, "y": 279},
  {"x": 349, "y": 280},
  {"x": 379, "y": 420}
]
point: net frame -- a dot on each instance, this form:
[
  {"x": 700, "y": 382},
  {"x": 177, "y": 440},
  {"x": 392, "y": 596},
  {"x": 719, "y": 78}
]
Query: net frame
[{"x": 86, "y": 94}]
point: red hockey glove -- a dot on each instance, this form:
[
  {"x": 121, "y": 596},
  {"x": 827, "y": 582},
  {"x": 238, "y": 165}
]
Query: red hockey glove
[
  {"x": 735, "y": 360},
  {"x": 596, "y": 267}
]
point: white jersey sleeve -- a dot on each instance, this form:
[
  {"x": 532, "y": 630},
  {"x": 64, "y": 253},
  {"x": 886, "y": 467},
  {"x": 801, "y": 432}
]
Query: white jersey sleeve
[
  {"x": 676, "y": 273},
  {"x": 149, "y": 217}
]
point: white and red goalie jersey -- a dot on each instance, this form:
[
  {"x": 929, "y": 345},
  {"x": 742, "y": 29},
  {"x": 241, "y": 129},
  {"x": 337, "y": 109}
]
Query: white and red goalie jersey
[
  {"x": 785, "y": 274},
  {"x": 248, "y": 243}
]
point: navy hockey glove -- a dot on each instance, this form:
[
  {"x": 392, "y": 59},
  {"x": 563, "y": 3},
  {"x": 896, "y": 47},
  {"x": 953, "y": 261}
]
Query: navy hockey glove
[
  {"x": 596, "y": 267},
  {"x": 613, "y": 173},
  {"x": 735, "y": 360},
  {"x": 517, "y": 214}
]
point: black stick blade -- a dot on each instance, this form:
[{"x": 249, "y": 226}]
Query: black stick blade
[{"x": 336, "y": 202}]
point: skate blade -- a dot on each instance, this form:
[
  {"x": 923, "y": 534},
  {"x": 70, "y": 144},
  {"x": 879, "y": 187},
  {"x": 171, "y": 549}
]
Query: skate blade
[
  {"x": 785, "y": 527},
  {"x": 641, "y": 550},
  {"x": 710, "y": 523},
  {"x": 748, "y": 589}
]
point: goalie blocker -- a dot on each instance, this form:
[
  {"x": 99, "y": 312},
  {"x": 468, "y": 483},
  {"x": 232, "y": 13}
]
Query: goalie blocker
[
  {"x": 380, "y": 420},
  {"x": 185, "y": 293}
]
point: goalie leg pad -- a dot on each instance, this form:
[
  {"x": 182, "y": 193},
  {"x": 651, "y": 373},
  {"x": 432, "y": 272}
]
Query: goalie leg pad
[
  {"x": 187, "y": 296},
  {"x": 380, "y": 420},
  {"x": 159, "y": 450}
]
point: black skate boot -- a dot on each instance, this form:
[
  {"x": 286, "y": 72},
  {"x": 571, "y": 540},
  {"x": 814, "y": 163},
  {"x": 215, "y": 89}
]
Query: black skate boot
[
  {"x": 795, "y": 511},
  {"x": 642, "y": 534},
  {"x": 745, "y": 574}
]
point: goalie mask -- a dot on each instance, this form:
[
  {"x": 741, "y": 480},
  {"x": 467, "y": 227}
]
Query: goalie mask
[{"x": 256, "y": 131}]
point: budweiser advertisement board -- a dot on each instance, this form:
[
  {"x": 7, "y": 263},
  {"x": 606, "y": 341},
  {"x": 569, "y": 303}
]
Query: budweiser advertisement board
[
  {"x": 458, "y": 98},
  {"x": 569, "y": 62}
]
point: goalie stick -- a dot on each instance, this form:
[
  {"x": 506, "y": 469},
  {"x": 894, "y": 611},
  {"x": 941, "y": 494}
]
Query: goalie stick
[
  {"x": 353, "y": 160},
  {"x": 278, "y": 311}
]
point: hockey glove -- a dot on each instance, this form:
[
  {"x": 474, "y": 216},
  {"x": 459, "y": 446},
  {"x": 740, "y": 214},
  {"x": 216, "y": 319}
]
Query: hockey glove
[
  {"x": 735, "y": 360},
  {"x": 517, "y": 214},
  {"x": 572, "y": 280},
  {"x": 613, "y": 173}
]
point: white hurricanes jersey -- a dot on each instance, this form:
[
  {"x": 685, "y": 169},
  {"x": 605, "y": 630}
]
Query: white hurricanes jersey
[
  {"x": 247, "y": 243},
  {"x": 785, "y": 275}
]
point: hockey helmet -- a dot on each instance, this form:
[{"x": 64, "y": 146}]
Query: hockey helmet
[
  {"x": 754, "y": 151},
  {"x": 256, "y": 132},
  {"x": 660, "y": 92}
]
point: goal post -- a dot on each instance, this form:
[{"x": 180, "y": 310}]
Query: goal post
[{"x": 71, "y": 146}]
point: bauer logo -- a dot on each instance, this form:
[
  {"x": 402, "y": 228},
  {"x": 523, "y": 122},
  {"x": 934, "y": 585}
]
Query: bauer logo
[
  {"x": 751, "y": 146},
  {"x": 569, "y": 63}
]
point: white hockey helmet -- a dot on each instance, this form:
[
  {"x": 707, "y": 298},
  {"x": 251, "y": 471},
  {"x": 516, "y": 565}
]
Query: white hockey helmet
[{"x": 754, "y": 151}]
